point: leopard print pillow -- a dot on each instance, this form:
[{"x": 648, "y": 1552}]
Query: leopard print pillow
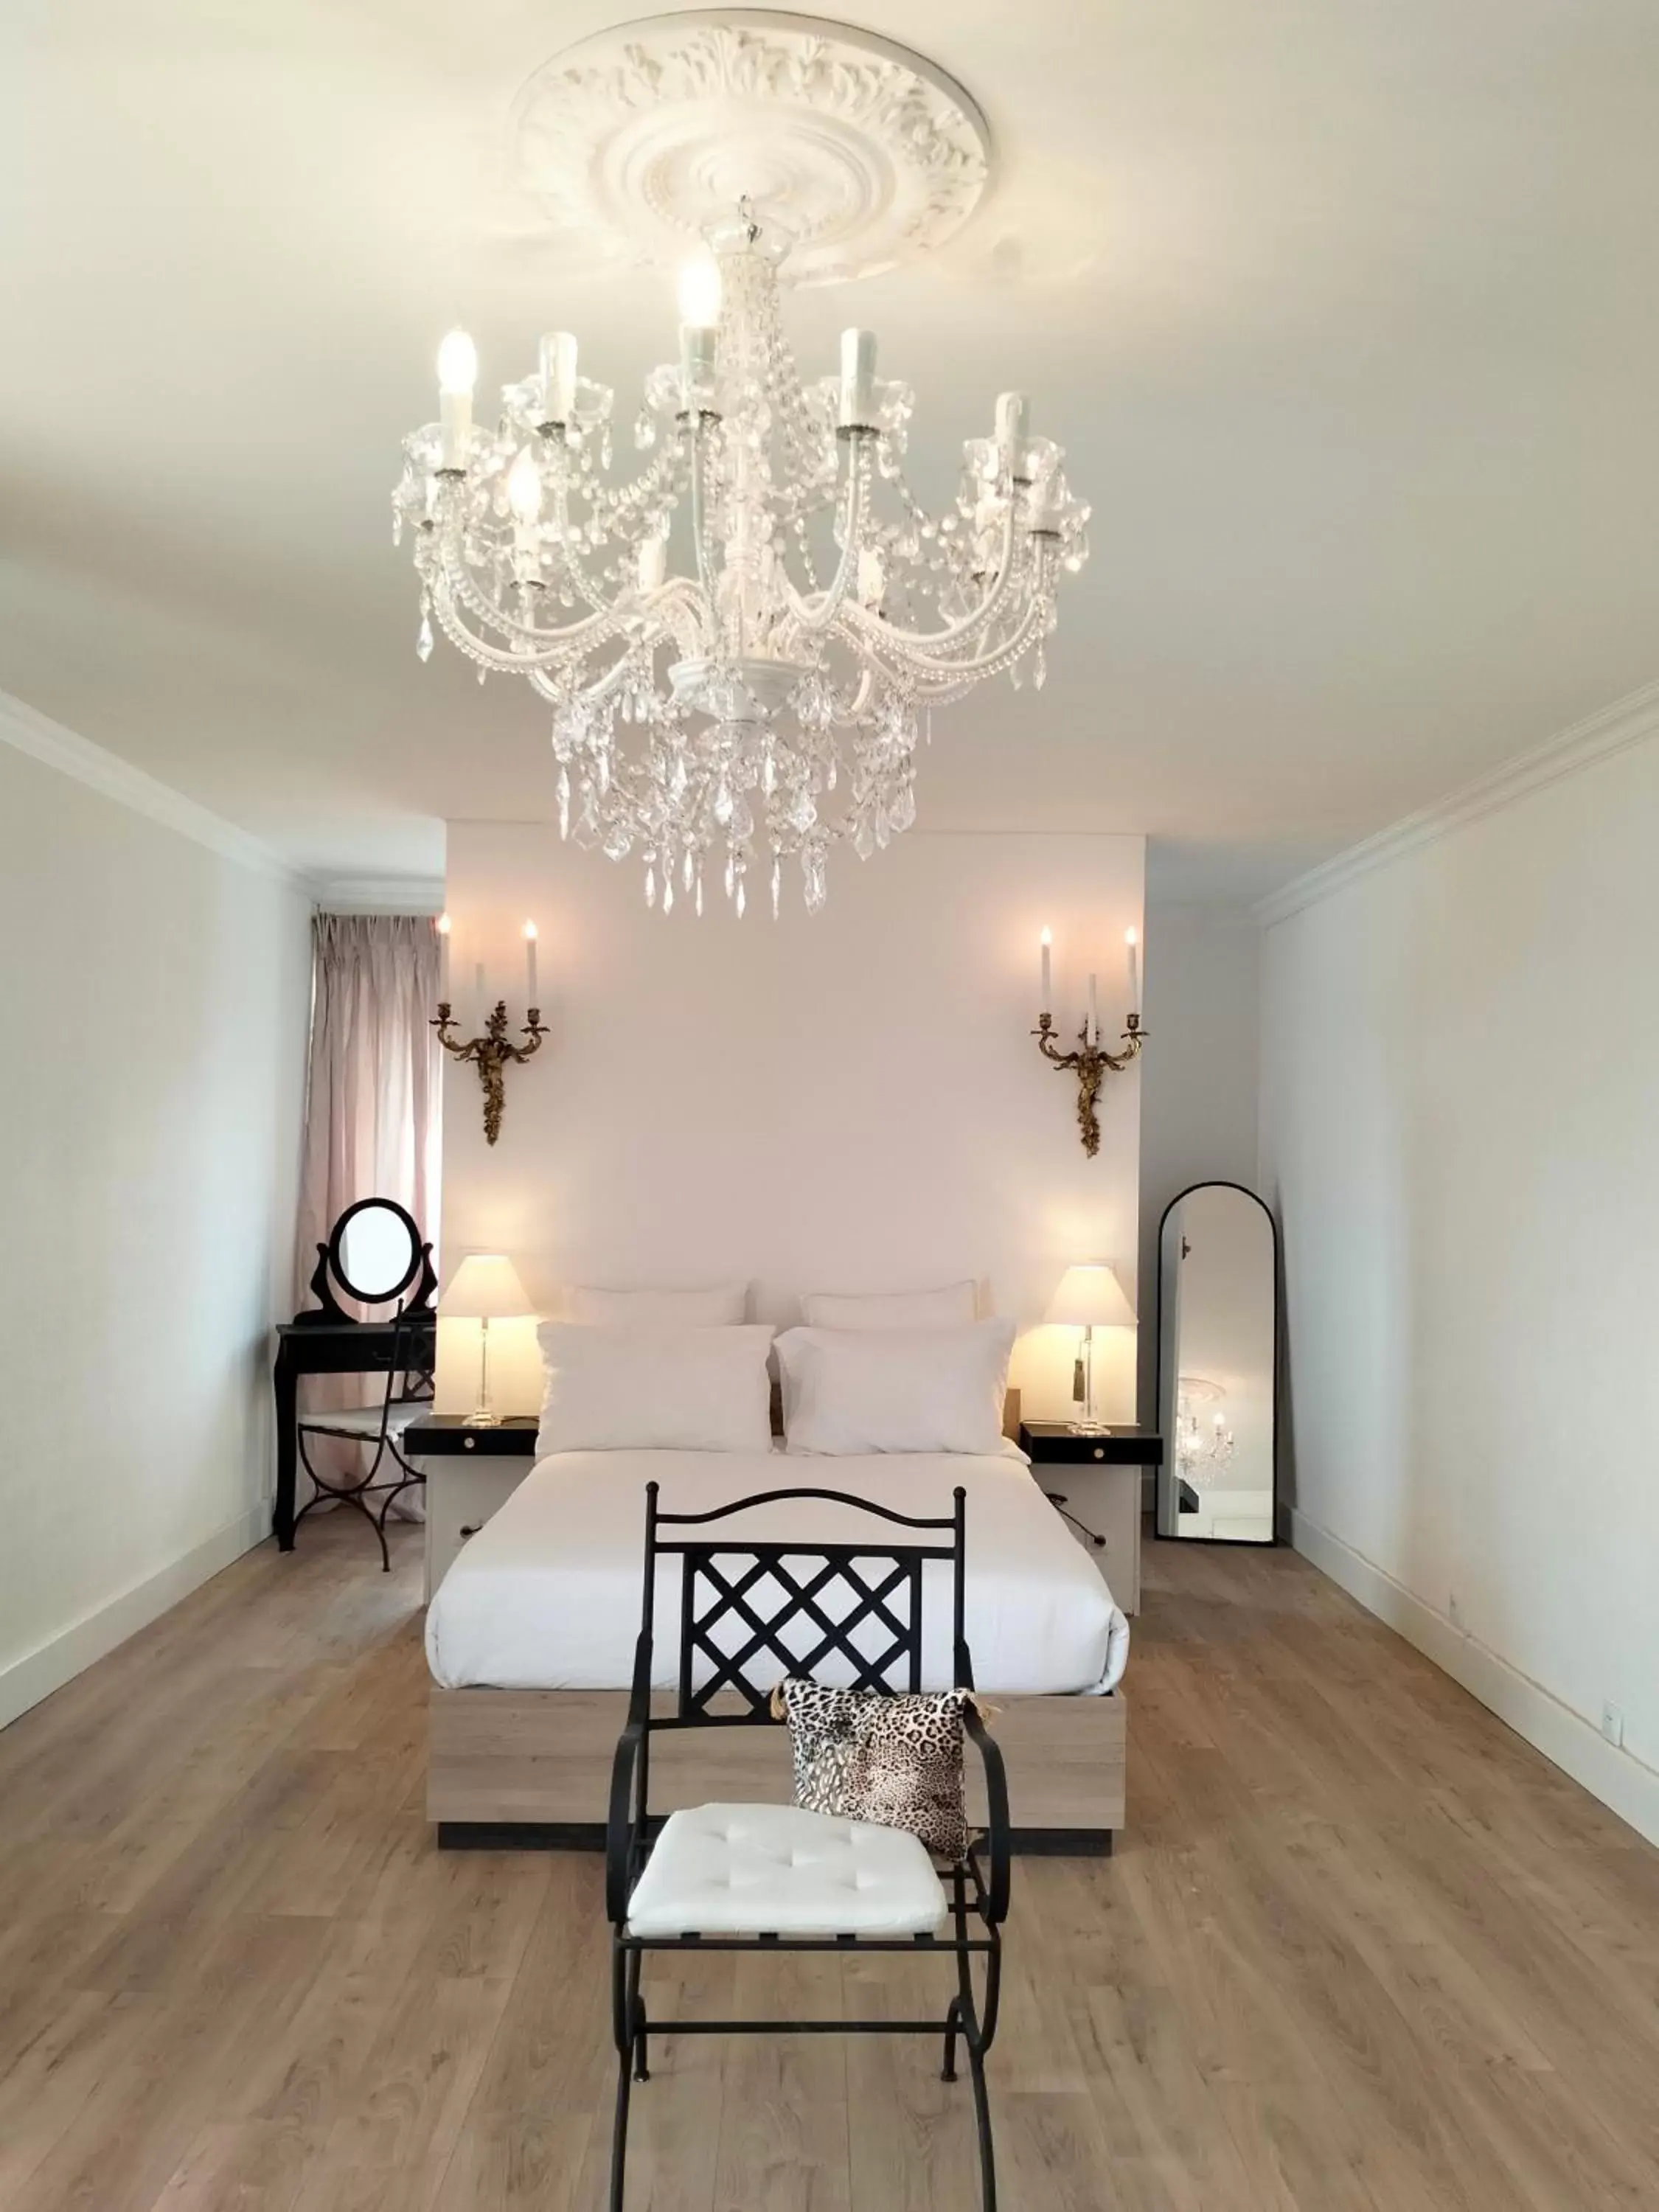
[{"x": 894, "y": 1760}]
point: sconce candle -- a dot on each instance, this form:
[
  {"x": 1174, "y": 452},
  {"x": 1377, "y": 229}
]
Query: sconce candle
[
  {"x": 443, "y": 956},
  {"x": 532, "y": 997},
  {"x": 1090, "y": 1062},
  {"x": 1047, "y": 941},
  {"x": 1131, "y": 940}
]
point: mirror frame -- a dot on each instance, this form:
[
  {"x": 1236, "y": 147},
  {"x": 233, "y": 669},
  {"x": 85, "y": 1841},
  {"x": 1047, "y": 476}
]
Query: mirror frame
[
  {"x": 420, "y": 1276},
  {"x": 1166, "y": 1472}
]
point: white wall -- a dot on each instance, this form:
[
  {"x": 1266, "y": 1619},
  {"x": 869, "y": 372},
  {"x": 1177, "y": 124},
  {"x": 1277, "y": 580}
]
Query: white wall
[
  {"x": 150, "y": 1091},
  {"x": 1199, "y": 1095},
  {"x": 848, "y": 1101},
  {"x": 1461, "y": 1132}
]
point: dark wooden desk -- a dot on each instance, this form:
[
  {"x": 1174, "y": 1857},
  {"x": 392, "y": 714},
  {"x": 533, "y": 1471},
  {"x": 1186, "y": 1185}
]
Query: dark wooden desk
[{"x": 325, "y": 1346}]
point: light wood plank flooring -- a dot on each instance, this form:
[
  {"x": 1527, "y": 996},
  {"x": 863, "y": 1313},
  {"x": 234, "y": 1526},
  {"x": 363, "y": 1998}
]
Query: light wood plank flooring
[{"x": 1362, "y": 1951}]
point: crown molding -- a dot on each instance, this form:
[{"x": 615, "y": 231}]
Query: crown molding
[
  {"x": 27, "y": 731},
  {"x": 1612, "y": 729},
  {"x": 379, "y": 894}
]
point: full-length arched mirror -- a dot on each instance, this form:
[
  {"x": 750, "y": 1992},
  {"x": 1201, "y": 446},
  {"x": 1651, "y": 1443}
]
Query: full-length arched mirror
[{"x": 1217, "y": 1366}]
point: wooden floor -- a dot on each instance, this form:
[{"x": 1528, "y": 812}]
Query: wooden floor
[{"x": 1361, "y": 1948}]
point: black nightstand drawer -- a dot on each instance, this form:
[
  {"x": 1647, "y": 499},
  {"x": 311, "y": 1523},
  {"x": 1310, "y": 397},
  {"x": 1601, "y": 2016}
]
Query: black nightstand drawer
[
  {"x": 1053, "y": 1442},
  {"x": 443, "y": 1436}
]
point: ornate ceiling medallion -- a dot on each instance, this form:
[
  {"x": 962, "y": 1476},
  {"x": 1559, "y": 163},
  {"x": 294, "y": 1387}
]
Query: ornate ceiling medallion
[{"x": 862, "y": 154}]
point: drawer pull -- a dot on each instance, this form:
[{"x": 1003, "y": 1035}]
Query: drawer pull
[
  {"x": 467, "y": 1442},
  {"x": 1100, "y": 1451}
]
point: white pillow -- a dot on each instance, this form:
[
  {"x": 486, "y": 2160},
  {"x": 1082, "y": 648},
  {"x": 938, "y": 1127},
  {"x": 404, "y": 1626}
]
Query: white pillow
[
  {"x": 952, "y": 1307},
  {"x": 696, "y": 1388},
  {"x": 895, "y": 1390},
  {"x": 720, "y": 1305}
]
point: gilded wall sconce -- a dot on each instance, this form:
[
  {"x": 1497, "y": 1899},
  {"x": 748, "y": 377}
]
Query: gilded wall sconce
[
  {"x": 1090, "y": 1062},
  {"x": 490, "y": 1053}
]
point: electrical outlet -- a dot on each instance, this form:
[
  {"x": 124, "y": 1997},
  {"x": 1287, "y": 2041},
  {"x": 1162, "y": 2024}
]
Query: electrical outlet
[{"x": 1613, "y": 1725}]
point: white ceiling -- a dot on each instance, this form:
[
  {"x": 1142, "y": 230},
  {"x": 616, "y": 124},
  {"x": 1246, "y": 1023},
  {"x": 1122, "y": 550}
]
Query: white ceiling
[{"x": 1346, "y": 312}]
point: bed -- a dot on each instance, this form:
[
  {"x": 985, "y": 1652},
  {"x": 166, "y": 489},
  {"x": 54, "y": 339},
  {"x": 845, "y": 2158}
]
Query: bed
[{"x": 529, "y": 1642}]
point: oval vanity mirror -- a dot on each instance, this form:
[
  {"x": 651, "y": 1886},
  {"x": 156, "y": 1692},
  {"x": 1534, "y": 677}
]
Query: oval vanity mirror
[
  {"x": 1217, "y": 1367},
  {"x": 375, "y": 1250}
]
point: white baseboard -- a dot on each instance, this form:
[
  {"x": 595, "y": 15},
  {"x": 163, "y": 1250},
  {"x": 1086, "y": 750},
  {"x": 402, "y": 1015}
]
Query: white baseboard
[
  {"x": 26, "y": 1681},
  {"x": 1622, "y": 1782}
]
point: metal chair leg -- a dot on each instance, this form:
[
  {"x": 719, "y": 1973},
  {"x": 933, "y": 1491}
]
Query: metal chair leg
[
  {"x": 619, "y": 2136},
  {"x": 952, "y": 2018}
]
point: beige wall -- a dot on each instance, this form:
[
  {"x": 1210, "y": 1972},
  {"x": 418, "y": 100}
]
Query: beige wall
[{"x": 848, "y": 1101}]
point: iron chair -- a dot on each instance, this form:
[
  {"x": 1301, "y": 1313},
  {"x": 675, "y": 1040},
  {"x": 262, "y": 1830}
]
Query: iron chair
[
  {"x": 728, "y": 1628},
  {"x": 407, "y": 1396}
]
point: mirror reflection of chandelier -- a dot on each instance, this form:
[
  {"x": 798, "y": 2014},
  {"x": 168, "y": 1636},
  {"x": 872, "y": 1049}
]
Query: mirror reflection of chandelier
[
  {"x": 742, "y": 645},
  {"x": 1203, "y": 1442}
]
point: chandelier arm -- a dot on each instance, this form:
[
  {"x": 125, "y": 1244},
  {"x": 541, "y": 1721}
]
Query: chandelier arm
[
  {"x": 952, "y": 679},
  {"x": 503, "y": 658},
  {"x": 810, "y": 615},
  {"x": 948, "y": 667},
  {"x": 457, "y": 584},
  {"x": 929, "y": 642}
]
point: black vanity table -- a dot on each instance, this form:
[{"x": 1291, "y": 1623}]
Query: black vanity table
[
  {"x": 318, "y": 1344},
  {"x": 377, "y": 1256}
]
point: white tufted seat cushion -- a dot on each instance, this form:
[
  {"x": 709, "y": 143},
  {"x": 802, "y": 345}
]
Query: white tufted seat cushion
[{"x": 779, "y": 1869}]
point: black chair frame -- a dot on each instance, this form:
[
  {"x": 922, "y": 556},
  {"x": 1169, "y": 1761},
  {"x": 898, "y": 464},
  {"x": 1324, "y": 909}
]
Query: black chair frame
[
  {"x": 409, "y": 1325},
  {"x": 717, "y": 1579}
]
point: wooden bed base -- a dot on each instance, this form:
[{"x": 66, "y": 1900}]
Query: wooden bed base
[{"x": 538, "y": 1761}]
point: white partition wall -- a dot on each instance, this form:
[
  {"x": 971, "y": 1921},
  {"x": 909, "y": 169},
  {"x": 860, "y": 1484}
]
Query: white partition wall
[{"x": 846, "y": 1101}]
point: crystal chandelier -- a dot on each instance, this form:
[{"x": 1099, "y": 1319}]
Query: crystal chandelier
[
  {"x": 741, "y": 646},
  {"x": 1200, "y": 1455}
]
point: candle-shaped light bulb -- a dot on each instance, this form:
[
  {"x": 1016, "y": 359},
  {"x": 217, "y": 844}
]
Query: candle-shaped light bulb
[
  {"x": 524, "y": 487},
  {"x": 699, "y": 291},
  {"x": 444, "y": 928},
  {"x": 652, "y": 562},
  {"x": 696, "y": 363},
  {"x": 558, "y": 361},
  {"x": 1046, "y": 942},
  {"x": 1013, "y": 426},
  {"x": 1132, "y": 947},
  {"x": 531, "y": 996},
  {"x": 458, "y": 363},
  {"x": 857, "y": 380},
  {"x": 457, "y": 371},
  {"x": 1094, "y": 1012}
]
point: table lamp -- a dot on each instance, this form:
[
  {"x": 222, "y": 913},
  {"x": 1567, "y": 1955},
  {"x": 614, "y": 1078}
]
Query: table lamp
[
  {"x": 485, "y": 1287},
  {"x": 1090, "y": 1297}
]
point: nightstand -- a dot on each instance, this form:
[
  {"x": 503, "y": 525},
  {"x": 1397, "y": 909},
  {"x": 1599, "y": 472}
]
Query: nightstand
[
  {"x": 1102, "y": 1486},
  {"x": 470, "y": 1471}
]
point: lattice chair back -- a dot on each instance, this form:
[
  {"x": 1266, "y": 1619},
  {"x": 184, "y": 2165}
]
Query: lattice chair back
[{"x": 752, "y": 1612}]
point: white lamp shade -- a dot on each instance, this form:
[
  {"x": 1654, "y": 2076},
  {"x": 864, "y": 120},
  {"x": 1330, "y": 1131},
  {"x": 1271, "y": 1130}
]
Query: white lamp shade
[
  {"x": 485, "y": 1287},
  {"x": 1092, "y": 1296}
]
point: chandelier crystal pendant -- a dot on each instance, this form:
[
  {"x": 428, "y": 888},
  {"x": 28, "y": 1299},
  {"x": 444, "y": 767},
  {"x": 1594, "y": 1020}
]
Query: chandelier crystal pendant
[{"x": 741, "y": 645}]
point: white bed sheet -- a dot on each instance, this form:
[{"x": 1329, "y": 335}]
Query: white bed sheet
[{"x": 546, "y": 1597}]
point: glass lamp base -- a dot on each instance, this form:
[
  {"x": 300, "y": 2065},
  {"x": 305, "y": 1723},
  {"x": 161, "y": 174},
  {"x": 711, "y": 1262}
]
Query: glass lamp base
[
  {"x": 481, "y": 1418},
  {"x": 1079, "y": 1427}
]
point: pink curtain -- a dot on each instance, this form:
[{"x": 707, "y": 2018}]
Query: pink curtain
[
  {"x": 373, "y": 1099},
  {"x": 374, "y": 1094}
]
